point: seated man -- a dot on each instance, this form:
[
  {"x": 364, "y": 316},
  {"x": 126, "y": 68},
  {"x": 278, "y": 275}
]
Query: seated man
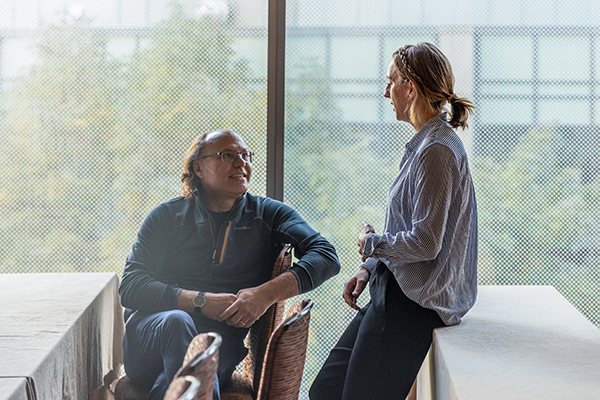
[{"x": 202, "y": 262}]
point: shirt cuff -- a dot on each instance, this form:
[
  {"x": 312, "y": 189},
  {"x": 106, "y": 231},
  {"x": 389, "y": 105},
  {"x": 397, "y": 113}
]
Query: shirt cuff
[
  {"x": 369, "y": 264},
  {"x": 371, "y": 242}
]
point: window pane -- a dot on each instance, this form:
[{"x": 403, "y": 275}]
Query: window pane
[
  {"x": 133, "y": 13},
  {"x": 101, "y": 124},
  {"x": 18, "y": 55},
  {"x": 564, "y": 90},
  {"x": 506, "y": 89},
  {"x": 121, "y": 47},
  {"x": 338, "y": 125},
  {"x": 506, "y": 57},
  {"x": 368, "y": 89},
  {"x": 393, "y": 42},
  {"x": 252, "y": 50},
  {"x": 354, "y": 57},
  {"x": 564, "y": 57},
  {"x": 505, "y": 111},
  {"x": 565, "y": 112},
  {"x": 299, "y": 48},
  {"x": 357, "y": 109}
]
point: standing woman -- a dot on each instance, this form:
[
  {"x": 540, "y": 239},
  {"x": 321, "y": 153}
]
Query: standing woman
[{"x": 422, "y": 271}]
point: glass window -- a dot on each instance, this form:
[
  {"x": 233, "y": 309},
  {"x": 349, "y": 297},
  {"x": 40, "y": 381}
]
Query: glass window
[
  {"x": 368, "y": 89},
  {"x": 158, "y": 10},
  {"x": 121, "y": 47},
  {"x": 506, "y": 57},
  {"x": 133, "y": 13},
  {"x": 354, "y": 57},
  {"x": 505, "y": 89},
  {"x": 405, "y": 13},
  {"x": 254, "y": 51},
  {"x": 18, "y": 55},
  {"x": 564, "y": 90},
  {"x": 358, "y": 109},
  {"x": 301, "y": 48},
  {"x": 564, "y": 57},
  {"x": 25, "y": 14},
  {"x": 5, "y": 15},
  {"x": 394, "y": 42},
  {"x": 575, "y": 112},
  {"x": 505, "y": 111},
  {"x": 103, "y": 133}
]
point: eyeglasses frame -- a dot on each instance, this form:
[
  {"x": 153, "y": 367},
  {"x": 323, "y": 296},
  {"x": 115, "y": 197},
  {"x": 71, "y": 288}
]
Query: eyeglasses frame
[{"x": 249, "y": 154}]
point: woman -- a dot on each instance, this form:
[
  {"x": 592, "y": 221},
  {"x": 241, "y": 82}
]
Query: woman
[{"x": 422, "y": 271}]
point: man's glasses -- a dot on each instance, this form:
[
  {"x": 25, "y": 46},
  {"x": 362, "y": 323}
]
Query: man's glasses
[{"x": 229, "y": 156}]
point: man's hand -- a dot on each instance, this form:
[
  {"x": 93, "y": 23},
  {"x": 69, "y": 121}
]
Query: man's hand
[
  {"x": 355, "y": 286},
  {"x": 217, "y": 303},
  {"x": 367, "y": 230},
  {"x": 252, "y": 303}
]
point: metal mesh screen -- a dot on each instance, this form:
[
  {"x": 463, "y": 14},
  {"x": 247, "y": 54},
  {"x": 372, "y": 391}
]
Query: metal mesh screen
[
  {"x": 98, "y": 106},
  {"x": 533, "y": 143},
  {"x": 99, "y": 101}
]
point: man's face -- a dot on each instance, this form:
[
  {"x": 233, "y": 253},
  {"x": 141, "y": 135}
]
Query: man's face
[{"x": 222, "y": 181}]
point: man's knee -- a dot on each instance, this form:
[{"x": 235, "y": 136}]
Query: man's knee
[{"x": 177, "y": 322}]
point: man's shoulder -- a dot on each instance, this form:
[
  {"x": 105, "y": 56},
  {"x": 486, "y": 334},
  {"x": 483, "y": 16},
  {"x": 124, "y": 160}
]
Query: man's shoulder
[
  {"x": 264, "y": 204},
  {"x": 178, "y": 201},
  {"x": 171, "y": 208}
]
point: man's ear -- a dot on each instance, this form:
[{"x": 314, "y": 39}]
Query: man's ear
[{"x": 197, "y": 170}]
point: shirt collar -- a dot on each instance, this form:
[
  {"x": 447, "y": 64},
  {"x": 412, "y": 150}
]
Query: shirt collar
[{"x": 418, "y": 138}]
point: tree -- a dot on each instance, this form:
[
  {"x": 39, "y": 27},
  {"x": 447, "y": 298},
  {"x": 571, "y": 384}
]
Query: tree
[
  {"x": 539, "y": 220},
  {"x": 55, "y": 173},
  {"x": 91, "y": 144}
]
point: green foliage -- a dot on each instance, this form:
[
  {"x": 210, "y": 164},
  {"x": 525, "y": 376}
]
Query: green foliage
[
  {"x": 91, "y": 144},
  {"x": 539, "y": 221},
  {"x": 65, "y": 104}
]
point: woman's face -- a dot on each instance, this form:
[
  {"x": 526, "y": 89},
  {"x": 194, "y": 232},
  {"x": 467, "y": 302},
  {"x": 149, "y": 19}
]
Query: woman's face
[{"x": 400, "y": 92}]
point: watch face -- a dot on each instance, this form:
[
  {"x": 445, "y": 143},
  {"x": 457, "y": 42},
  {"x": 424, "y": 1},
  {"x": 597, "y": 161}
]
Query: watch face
[{"x": 199, "y": 301}]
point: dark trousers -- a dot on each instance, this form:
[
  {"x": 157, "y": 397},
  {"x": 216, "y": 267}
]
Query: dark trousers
[
  {"x": 379, "y": 355},
  {"x": 155, "y": 345}
]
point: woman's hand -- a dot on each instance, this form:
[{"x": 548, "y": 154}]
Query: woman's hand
[
  {"x": 367, "y": 230},
  {"x": 355, "y": 286}
]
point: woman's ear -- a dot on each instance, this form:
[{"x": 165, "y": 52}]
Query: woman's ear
[{"x": 197, "y": 169}]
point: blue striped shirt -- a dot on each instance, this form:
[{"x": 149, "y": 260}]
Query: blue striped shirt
[{"x": 429, "y": 239}]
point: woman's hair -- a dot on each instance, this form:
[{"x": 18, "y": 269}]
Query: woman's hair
[
  {"x": 189, "y": 179},
  {"x": 431, "y": 74}
]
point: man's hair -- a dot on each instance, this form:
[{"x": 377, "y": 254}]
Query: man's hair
[
  {"x": 431, "y": 74},
  {"x": 189, "y": 179}
]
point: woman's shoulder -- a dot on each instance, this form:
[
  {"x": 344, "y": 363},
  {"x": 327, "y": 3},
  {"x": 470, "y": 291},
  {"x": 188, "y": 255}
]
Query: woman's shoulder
[{"x": 441, "y": 134}]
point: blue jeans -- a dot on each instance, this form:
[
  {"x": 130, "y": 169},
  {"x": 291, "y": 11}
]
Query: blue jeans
[{"x": 154, "y": 348}]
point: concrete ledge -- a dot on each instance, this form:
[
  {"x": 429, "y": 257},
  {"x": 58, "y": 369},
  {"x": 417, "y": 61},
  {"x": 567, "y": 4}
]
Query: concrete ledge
[{"x": 518, "y": 342}]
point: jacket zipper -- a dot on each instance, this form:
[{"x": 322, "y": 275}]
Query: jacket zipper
[
  {"x": 223, "y": 246},
  {"x": 224, "y": 242}
]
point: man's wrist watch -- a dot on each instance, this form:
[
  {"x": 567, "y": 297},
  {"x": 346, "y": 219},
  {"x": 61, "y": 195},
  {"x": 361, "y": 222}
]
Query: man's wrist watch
[{"x": 200, "y": 300}]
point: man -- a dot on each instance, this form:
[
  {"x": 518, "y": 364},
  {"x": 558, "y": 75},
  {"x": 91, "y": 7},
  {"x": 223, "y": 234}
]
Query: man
[{"x": 202, "y": 262}]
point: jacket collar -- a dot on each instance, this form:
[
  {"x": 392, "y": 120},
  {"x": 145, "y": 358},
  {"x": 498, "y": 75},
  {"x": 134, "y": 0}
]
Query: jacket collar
[{"x": 202, "y": 215}]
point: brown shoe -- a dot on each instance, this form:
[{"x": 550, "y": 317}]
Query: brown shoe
[{"x": 127, "y": 390}]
